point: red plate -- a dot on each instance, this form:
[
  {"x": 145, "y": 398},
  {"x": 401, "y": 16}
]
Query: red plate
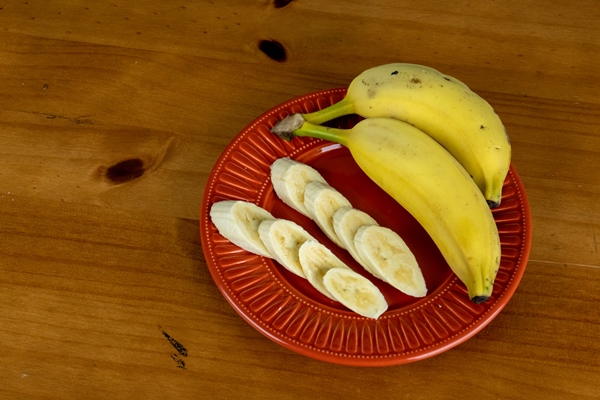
[{"x": 289, "y": 311}]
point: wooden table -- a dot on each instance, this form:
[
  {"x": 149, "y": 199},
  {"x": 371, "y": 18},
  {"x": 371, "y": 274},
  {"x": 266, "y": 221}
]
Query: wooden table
[{"x": 112, "y": 115}]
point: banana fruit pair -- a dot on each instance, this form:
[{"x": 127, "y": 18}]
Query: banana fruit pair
[
  {"x": 254, "y": 229},
  {"x": 439, "y": 105},
  {"x": 437, "y": 148}
]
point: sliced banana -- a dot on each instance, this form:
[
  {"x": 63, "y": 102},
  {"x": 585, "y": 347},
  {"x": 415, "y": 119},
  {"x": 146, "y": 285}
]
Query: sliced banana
[
  {"x": 289, "y": 178},
  {"x": 321, "y": 202},
  {"x": 316, "y": 259},
  {"x": 238, "y": 221},
  {"x": 283, "y": 239},
  {"x": 346, "y": 222},
  {"x": 385, "y": 253},
  {"x": 355, "y": 292}
]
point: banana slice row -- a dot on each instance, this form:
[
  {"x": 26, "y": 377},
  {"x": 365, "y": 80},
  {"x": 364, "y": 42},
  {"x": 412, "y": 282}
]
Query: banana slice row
[
  {"x": 379, "y": 250},
  {"x": 256, "y": 230}
]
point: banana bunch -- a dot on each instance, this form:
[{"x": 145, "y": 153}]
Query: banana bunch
[
  {"x": 439, "y": 105},
  {"x": 379, "y": 250},
  {"x": 254, "y": 229},
  {"x": 429, "y": 183}
]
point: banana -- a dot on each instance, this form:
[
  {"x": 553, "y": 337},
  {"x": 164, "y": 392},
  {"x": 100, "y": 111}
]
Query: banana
[
  {"x": 430, "y": 184},
  {"x": 355, "y": 292},
  {"x": 283, "y": 239},
  {"x": 316, "y": 259},
  {"x": 330, "y": 276},
  {"x": 321, "y": 202},
  {"x": 238, "y": 221},
  {"x": 289, "y": 179},
  {"x": 255, "y": 230},
  {"x": 336, "y": 217},
  {"x": 388, "y": 256},
  {"x": 346, "y": 222},
  {"x": 439, "y": 105},
  {"x": 304, "y": 189}
]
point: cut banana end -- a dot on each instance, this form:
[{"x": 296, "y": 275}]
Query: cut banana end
[
  {"x": 321, "y": 202},
  {"x": 316, "y": 259},
  {"x": 385, "y": 253},
  {"x": 346, "y": 222},
  {"x": 238, "y": 221},
  {"x": 289, "y": 179},
  {"x": 283, "y": 239},
  {"x": 355, "y": 292}
]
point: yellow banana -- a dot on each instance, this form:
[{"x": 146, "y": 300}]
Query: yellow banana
[
  {"x": 439, "y": 105},
  {"x": 429, "y": 183}
]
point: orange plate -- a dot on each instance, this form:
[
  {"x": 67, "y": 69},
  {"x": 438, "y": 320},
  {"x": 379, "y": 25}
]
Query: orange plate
[{"x": 287, "y": 310}]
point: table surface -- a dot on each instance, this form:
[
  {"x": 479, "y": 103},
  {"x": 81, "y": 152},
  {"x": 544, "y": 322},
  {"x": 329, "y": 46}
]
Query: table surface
[{"x": 113, "y": 114}]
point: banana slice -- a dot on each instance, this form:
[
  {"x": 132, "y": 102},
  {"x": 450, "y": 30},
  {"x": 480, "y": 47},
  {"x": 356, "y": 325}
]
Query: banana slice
[
  {"x": 289, "y": 178},
  {"x": 385, "y": 253},
  {"x": 238, "y": 222},
  {"x": 316, "y": 259},
  {"x": 283, "y": 239},
  {"x": 355, "y": 292},
  {"x": 321, "y": 202},
  {"x": 346, "y": 221}
]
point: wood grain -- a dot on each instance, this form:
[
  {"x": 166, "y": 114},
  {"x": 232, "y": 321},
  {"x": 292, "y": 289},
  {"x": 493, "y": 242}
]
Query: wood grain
[{"x": 112, "y": 115}]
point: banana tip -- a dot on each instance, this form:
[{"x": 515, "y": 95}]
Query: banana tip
[
  {"x": 480, "y": 299},
  {"x": 493, "y": 204}
]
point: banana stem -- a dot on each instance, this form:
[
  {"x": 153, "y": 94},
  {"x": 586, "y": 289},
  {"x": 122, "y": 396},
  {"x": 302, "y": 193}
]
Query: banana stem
[
  {"x": 322, "y": 132},
  {"x": 342, "y": 107},
  {"x": 295, "y": 125}
]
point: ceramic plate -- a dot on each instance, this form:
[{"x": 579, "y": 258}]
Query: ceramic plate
[{"x": 287, "y": 310}]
